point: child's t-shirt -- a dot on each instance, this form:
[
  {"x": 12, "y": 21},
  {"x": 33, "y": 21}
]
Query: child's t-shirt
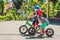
[
  {"x": 35, "y": 18},
  {"x": 39, "y": 12},
  {"x": 43, "y": 20}
]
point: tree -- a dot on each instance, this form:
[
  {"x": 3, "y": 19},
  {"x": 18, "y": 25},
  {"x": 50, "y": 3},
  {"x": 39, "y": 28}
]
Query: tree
[
  {"x": 57, "y": 7},
  {"x": 54, "y": 1},
  {"x": 51, "y": 10},
  {"x": 44, "y": 7},
  {"x": 17, "y": 3},
  {"x": 2, "y": 7}
]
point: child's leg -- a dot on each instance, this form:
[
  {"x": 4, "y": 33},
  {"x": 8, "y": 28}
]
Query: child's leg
[
  {"x": 41, "y": 31},
  {"x": 43, "y": 27},
  {"x": 33, "y": 24},
  {"x": 40, "y": 26}
]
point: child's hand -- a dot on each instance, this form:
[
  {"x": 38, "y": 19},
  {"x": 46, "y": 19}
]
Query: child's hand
[{"x": 28, "y": 17}]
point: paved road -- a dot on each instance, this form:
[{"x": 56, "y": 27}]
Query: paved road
[{"x": 9, "y": 31}]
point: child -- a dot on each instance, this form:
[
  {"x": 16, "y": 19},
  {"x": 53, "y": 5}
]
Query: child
[
  {"x": 44, "y": 22},
  {"x": 35, "y": 15}
]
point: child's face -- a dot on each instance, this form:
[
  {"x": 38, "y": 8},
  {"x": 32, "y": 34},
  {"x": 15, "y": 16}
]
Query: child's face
[{"x": 35, "y": 10}]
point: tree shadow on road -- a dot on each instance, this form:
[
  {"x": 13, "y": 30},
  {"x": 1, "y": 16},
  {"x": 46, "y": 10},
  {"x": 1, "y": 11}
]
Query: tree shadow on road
[
  {"x": 9, "y": 34},
  {"x": 24, "y": 35},
  {"x": 27, "y": 36},
  {"x": 38, "y": 37}
]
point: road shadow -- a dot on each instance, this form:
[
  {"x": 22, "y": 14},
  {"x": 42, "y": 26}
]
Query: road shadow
[
  {"x": 24, "y": 35},
  {"x": 17, "y": 34},
  {"x": 27, "y": 36},
  {"x": 10, "y": 34},
  {"x": 38, "y": 37}
]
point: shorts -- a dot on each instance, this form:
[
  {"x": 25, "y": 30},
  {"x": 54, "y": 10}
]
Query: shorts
[{"x": 43, "y": 25}]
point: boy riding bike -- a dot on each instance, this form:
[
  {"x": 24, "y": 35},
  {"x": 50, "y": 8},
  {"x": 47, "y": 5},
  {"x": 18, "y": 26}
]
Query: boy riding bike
[{"x": 39, "y": 19}]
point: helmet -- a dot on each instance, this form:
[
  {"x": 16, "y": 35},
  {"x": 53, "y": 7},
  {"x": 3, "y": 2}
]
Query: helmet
[{"x": 36, "y": 7}]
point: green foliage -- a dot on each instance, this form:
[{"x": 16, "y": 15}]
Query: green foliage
[
  {"x": 2, "y": 17},
  {"x": 57, "y": 7},
  {"x": 51, "y": 10},
  {"x": 22, "y": 17},
  {"x": 1, "y": 6},
  {"x": 12, "y": 13},
  {"x": 44, "y": 8}
]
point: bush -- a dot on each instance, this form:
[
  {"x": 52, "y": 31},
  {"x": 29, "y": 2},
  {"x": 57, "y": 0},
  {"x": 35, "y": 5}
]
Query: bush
[
  {"x": 57, "y": 7},
  {"x": 22, "y": 17},
  {"x": 11, "y": 14},
  {"x": 51, "y": 10},
  {"x": 44, "y": 9},
  {"x": 2, "y": 17}
]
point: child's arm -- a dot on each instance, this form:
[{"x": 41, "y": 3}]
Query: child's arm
[
  {"x": 39, "y": 20},
  {"x": 32, "y": 16}
]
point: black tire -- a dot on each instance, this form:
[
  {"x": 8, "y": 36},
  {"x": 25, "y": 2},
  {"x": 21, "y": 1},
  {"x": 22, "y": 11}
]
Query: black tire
[
  {"x": 32, "y": 31},
  {"x": 23, "y": 26},
  {"x": 51, "y": 31}
]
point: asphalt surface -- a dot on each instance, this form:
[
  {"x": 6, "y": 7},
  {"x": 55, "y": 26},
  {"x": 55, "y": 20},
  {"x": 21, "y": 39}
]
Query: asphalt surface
[{"x": 9, "y": 30}]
